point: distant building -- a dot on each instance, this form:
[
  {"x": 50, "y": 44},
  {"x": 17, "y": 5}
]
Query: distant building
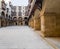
[
  {"x": 17, "y": 12},
  {"x": 31, "y": 5},
  {"x": 20, "y": 11},
  {"x": 8, "y": 10},
  {"x": 2, "y": 8}
]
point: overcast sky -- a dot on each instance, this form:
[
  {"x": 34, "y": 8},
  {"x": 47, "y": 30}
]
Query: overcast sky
[{"x": 19, "y": 2}]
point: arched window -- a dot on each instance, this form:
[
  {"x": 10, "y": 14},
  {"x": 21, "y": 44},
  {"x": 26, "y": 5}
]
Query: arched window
[
  {"x": 20, "y": 19},
  {"x": 26, "y": 20},
  {"x": 2, "y": 14},
  {"x": 15, "y": 18}
]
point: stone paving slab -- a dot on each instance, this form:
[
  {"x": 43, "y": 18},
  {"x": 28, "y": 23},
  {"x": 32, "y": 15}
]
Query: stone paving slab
[
  {"x": 55, "y": 41},
  {"x": 21, "y": 37}
]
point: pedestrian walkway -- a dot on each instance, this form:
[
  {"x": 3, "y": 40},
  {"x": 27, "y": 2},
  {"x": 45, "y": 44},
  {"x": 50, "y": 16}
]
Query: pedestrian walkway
[{"x": 21, "y": 37}]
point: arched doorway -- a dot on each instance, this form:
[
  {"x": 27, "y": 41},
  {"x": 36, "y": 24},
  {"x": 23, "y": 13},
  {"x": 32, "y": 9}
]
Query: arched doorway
[
  {"x": 26, "y": 20},
  {"x": 2, "y": 14},
  {"x": 7, "y": 16},
  {"x": 20, "y": 21},
  {"x": 15, "y": 21}
]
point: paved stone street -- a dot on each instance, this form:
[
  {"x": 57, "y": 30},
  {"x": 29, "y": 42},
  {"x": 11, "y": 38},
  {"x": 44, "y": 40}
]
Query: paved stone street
[{"x": 21, "y": 37}]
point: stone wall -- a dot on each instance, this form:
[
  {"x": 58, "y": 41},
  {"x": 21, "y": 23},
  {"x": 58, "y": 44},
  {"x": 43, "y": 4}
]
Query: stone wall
[
  {"x": 31, "y": 22},
  {"x": 58, "y": 25},
  {"x": 37, "y": 23},
  {"x": 50, "y": 25},
  {"x": 3, "y": 22}
]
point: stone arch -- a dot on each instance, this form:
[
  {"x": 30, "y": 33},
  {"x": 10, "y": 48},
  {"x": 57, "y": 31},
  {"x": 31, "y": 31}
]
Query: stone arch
[
  {"x": 26, "y": 20},
  {"x": 15, "y": 20},
  {"x": 20, "y": 18},
  {"x": 2, "y": 14},
  {"x": 20, "y": 21}
]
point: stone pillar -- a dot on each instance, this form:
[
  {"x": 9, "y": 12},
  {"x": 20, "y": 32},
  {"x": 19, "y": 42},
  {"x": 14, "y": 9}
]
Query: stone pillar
[
  {"x": 23, "y": 22},
  {"x": 20, "y": 23},
  {"x": 7, "y": 24},
  {"x": 42, "y": 24},
  {"x": 37, "y": 19},
  {"x": 14, "y": 23},
  {"x": 32, "y": 21}
]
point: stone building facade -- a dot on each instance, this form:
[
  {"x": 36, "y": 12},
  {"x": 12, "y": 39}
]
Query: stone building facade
[
  {"x": 20, "y": 15},
  {"x": 5, "y": 13}
]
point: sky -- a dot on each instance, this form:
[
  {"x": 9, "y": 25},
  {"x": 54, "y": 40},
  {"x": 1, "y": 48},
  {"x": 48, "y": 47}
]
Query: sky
[{"x": 19, "y": 2}]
